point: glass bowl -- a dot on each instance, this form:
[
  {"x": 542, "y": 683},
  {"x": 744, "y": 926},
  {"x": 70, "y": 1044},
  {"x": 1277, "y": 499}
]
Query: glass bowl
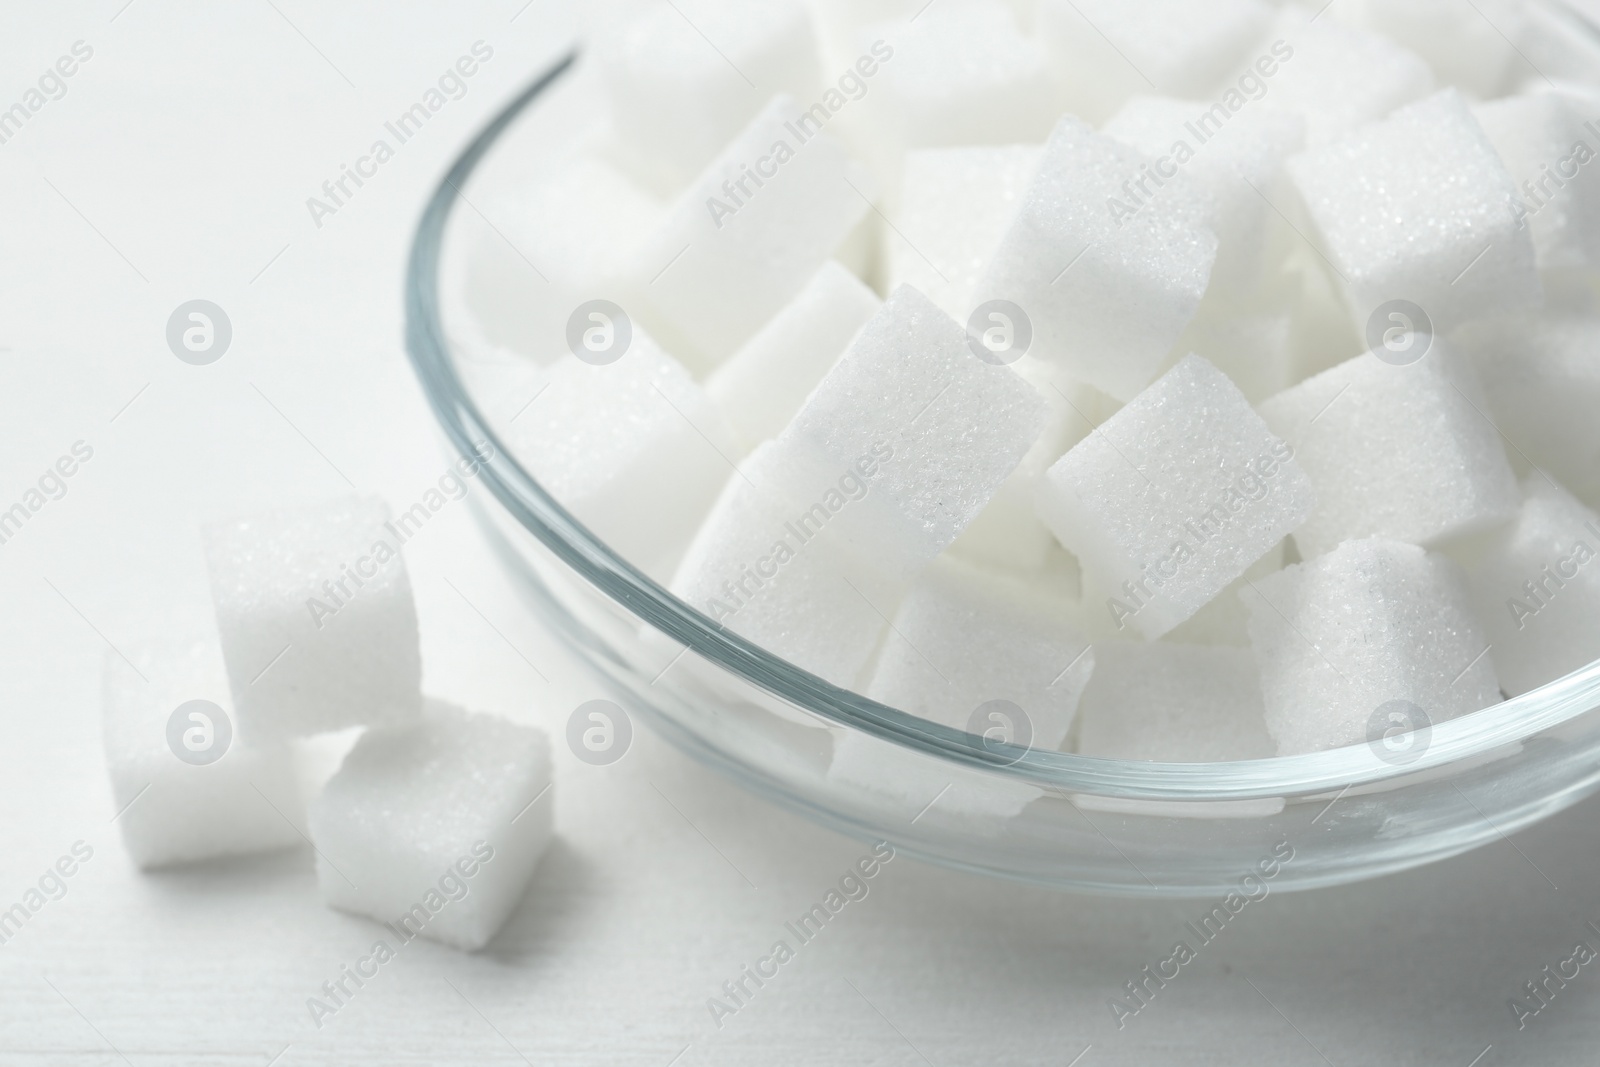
[{"x": 1233, "y": 830}]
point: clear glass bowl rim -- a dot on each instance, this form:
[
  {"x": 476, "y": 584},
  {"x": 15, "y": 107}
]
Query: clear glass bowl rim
[{"x": 541, "y": 515}]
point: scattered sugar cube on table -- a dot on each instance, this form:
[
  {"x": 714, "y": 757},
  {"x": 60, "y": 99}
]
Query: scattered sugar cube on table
[
  {"x": 1107, "y": 258},
  {"x": 1341, "y": 638},
  {"x": 1174, "y": 497},
  {"x": 317, "y": 622},
  {"x": 1405, "y": 452},
  {"x": 177, "y": 801},
  {"x": 1173, "y": 703},
  {"x": 435, "y": 829},
  {"x": 1537, "y": 586},
  {"x": 1418, "y": 207}
]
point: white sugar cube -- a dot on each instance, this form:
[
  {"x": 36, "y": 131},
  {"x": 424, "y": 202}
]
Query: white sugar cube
[
  {"x": 1237, "y": 161},
  {"x": 955, "y": 205},
  {"x": 1543, "y": 142},
  {"x": 1173, "y": 703},
  {"x": 769, "y": 566},
  {"x": 1339, "y": 77},
  {"x": 1418, "y": 207},
  {"x": 962, "y": 73},
  {"x": 749, "y": 232},
  {"x": 1008, "y": 532},
  {"x": 1174, "y": 497},
  {"x": 1341, "y": 638},
  {"x": 1537, "y": 586},
  {"x": 178, "y": 801},
  {"x": 1108, "y": 259},
  {"x": 1405, "y": 452},
  {"x": 1543, "y": 386},
  {"x": 760, "y": 388},
  {"x": 633, "y": 448},
  {"x": 534, "y": 255},
  {"x": 435, "y": 829},
  {"x": 954, "y": 426},
  {"x": 980, "y": 653},
  {"x": 314, "y": 607},
  {"x": 964, "y": 637},
  {"x": 1477, "y": 53},
  {"x": 685, "y": 77},
  {"x": 1108, "y": 50}
]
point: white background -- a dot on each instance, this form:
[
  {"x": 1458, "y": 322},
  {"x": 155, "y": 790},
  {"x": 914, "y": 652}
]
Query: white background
[{"x": 177, "y": 166}]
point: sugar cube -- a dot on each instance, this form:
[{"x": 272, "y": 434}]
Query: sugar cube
[
  {"x": 760, "y": 388},
  {"x": 1399, "y": 451},
  {"x": 961, "y": 73},
  {"x": 955, "y": 205},
  {"x": 1537, "y": 587},
  {"x": 980, "y": 653},
  {"x": 1418, "y": 207},
  {"x": 435, "y": 829},
  {"x": 1108, "y": 50},
  {"x": 767, "y": 565},
  {"x": 1173, "y": 703},
  {"x": 1341, "y": 638},
  {"x": 535, "y": 253},
  {"x": 185, "y": 787},
  {"x": 749, "y": 232},
  {"x": 317, "y": 623},
  {"x": 633, "y": 448},
  {"x": 1541, "y": 140},
  {"x": 1477, "y": 53},
  {"x": 1107, "y": 258},
  {"x": 685, "y": 77},
  {"x": 1172, "y": 498},
  {"x": 1543, "y": 386},
  {"x": 1237, "y": 161},
  {"x": 1339, "y": 77},
  {"x": 814, "y": 540}
]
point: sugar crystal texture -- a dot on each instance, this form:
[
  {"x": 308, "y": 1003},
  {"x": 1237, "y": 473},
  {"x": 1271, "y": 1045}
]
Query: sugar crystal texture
[
  {"x": 314, "y": 607},
  {"x": 436, "y": 829},
  {"x": 1404, "y": 452},
  {"x": 955, "y": 205},
  {"x": 634, "y": 448},
  {"x": 1342, "y": 637},
  {"x": 762, "y": 386},
  {"x": 685, "y": 78},
  {"x": 1173, "y": 703},
  {"x": 1174, "y": 497},
  {"x": 1108, "y": 263},
  {"x": 1236, "y": 159},
  {"x": 1542, "y": 380},
  {"x": 171, "y": 810},
  {"x": 1339, "y": 77},
  {"x": 1542, "y": 141},
  {"x": 980, "y": 653},
  {"x": 1108, "y": 50},
  {"x": 1418, "y": 207},
  {"x": 748, "y": 233},
  {"x": 1537, "y": 586}
]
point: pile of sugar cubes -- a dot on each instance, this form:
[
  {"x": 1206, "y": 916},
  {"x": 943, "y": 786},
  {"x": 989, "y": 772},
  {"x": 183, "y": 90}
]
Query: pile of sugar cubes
[
  {"x": 220, "y": 735},
  {"x": 1203, "y": 381}
]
